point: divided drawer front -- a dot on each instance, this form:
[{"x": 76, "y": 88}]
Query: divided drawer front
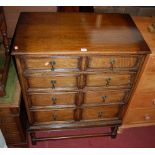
[
  {"x": 140, "y": 116},
  {"x": 110, "y": 79},
  {"x": 52, "y": 63},
  {"x": 43, "y": 116},
  {"x": 53, "y": 99},
  {"x": 93, "y": 97},
  {"x": 101, "y": 112},
  {"x": 54, "y": 82},
  {"x": 113, "y": 62}
]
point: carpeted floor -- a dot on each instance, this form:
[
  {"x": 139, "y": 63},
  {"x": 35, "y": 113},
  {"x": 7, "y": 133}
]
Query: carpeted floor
[{"x": 143, "y": 137}]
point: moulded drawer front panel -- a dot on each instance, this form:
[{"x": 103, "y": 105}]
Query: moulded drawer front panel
[
  {"x": 104, "y": 96},
  {"x": 109, "y": 79},
  {"x": 52, "y": 82},
  {"x": 112, "y": 62},
  {"x": 52, "y": 63},
  {"x": 101, "y": 112},
  {"x": 53, "y": 99},
  {"x": 43, "y": 116}
]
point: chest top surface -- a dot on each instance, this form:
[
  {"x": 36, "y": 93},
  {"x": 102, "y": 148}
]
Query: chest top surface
[
  {"x": 143, "y": 23},
  {"x": 61, "y": 33}
]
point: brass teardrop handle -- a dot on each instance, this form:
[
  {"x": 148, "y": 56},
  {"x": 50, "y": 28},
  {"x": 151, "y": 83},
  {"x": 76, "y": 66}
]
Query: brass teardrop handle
[
  {"x": 112, "y": 62},
  {"x": 100, "y": 114},
  {"x": 108, "y": 80},
  {"x": 54, "y": 100},
  {"x": 53, "y": 82},
  {"x": 104, "y": 98},
  {"x": 54, "y": 117},
  {"x": 52, "y": 63}
]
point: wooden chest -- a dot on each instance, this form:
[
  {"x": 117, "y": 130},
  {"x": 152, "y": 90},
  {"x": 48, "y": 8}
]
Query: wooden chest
[
  {"x": 13, "y": 119},
  {"x": 142, "y": 103},
  {"x": 77, "y": 70}
]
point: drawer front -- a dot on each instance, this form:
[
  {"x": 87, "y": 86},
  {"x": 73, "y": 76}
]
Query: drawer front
[
  {"x": 52, "y": 63},
  {"x": 5, "y": 112},
  {"x": 151, "y": 64},
  {"x": 113, "y": 62},
  {"x": 9, "y": 120},
  {"x": 43, "y": 116},
  {"x": 143, "y": 100},
  {"x": 92, "y": 97},
  {"x": 101, "y": 112},
  {"x": 53, "y": 81},
  {"x": 109, "y": 80},
  {"x": 53, "y": 99},
  {"x": 140, "y": 116},
  {"x": 147, "y": 83}
]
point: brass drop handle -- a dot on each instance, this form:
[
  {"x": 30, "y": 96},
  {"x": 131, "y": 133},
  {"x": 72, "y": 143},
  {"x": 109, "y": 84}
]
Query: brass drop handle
[
  {"x": 147, "y": 117},
  {"x": 108, "y": 80},
  {"x": 52, "y": 63},
  {"x": 104, "y": 98},
  {"x": 54, "y": 100},
  {"x": 53, "y": 82},
  {"x": 54, "y": 117},
  {"x": 112, "y": 62},
  {"x": 100, "y": 115}
]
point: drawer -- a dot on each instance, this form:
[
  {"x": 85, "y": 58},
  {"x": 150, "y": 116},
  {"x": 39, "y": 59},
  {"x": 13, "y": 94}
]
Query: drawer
[
  {"x": 101, "y": 112},
  {"x": 113, "y": 62},
  {"x": 140, "y": 116},
  {"x": 47, "y": 99},
  {"x": 5, "y": 121},
  {"x": 147, "y": 83},
  {"x": 105, "y": 97},
  {"x": 42, "y": 116},
  {"x": 6, "y": 112},
  {"x": 110, "y": 80},
  {"x": 151, "y": 64},
  {"x": 52, "y": 63},
  {"x": 53, "y": 81},
  {"x": 143, "y": 100}
]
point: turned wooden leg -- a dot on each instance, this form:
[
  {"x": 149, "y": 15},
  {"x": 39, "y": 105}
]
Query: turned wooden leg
[
  {"x": 114, "y": 131},
  {"x": 33, "y": 135}
]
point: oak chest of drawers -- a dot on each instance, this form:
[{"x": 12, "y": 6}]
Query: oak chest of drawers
[{"x": 77, "y": 70}]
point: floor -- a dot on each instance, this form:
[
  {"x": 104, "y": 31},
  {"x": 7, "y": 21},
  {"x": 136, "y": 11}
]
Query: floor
[{"x": 143, "y": 137}]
